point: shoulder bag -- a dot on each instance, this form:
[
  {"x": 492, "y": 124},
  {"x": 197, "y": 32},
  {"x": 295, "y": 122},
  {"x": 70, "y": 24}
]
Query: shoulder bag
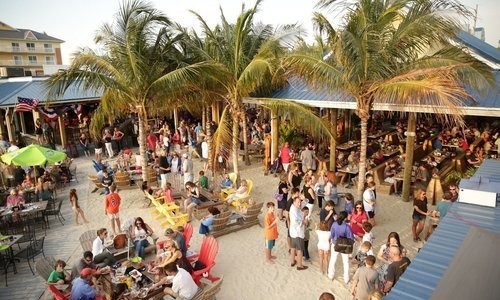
[{"x": 343, "y": 244}]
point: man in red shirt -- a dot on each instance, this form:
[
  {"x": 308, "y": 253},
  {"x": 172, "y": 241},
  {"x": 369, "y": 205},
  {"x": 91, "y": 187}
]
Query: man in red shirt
[{"x": 112, "y": 207}]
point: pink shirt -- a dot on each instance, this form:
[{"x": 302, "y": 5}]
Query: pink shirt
[
  {"x": 359, "y": 218},
  {"x": 14, "y": 200},
  {"x": 285, "y": 155}
]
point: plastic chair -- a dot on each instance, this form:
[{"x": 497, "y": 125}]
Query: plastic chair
[
  {"x": 208, "y": 252},
  {"x": 58, "y": 295},
  {"x": 188, "y": 233}
]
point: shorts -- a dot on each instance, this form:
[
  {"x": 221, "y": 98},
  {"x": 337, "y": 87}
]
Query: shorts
[
  {"x": 419, "y": 218},
  {"x": 196, "y": 201},
  {"x": 113, "y": 216},
  {"x": 98, "y": 150},
  {"x": 371, "y": 214},
  {"x": 297, "y": 244},
  {"x": 270, "y": 244},
  {"x": 282, "y": 204}
]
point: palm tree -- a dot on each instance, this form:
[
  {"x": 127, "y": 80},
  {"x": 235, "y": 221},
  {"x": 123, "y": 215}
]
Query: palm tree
[
  {"x": 144, "y": 65},
  {"x": 399, "y": 52},
  {"x": 250, "y": 55}
]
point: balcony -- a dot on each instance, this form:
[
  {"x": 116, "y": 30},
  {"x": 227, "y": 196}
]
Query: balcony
[
  {"x": 24, "y": 49},
  {"x": 20, "y": 63}
]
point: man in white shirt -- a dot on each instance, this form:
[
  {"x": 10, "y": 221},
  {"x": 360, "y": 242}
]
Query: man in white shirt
[
  {"x": 297, "y": 234},
  {"x": 187, "y": 168},
  {"x": 183, "y": 285},
  {"x": 369, "y": 202},
  {"x": 13, "y": 146},
  {"x": 101, "y": 255}
]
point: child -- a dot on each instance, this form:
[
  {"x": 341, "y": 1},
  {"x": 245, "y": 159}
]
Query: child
[
  {"x": 59, "y": 276},
  {"x": 77, "y": 211},
  {"x": 168, "y": 193},
  {"x": 349, "y": 206},
  {"x": 305, "y": 212},
  {"x": 323, "y": 233},
  {"x": 328, "y": 214},
  {"x": 368, "y": 236},
  {"x": 203, "y": 180},
  {"x": 270, "y": 231},
  {"x": 363, "y": 252}
]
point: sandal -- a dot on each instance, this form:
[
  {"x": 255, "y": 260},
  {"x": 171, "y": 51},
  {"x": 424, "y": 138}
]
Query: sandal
[
  {"x": 302, "y": 268},
  {"x": 293, "y": 265}
]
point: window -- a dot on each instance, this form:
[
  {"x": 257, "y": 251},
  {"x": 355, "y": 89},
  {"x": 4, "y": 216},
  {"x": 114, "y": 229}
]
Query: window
[
  {"x": 18, "y": 60},
  {"x": 30, "y": 46},
  {"x": 15, "y": 47},
  {"x": 32, "y": 59},
  {"x": 49, "y": 60},
  {"x": 47, "y": 47}
]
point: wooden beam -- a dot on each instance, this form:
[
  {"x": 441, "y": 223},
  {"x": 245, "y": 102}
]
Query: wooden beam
[
  {"x": 62, "y": 131},
  {"x": 8, "y": 123}
]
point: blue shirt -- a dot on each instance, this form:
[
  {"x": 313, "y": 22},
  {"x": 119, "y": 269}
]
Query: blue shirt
[
  {"x": 343, "y": 230},
  {"x": 81, "y": 290}
]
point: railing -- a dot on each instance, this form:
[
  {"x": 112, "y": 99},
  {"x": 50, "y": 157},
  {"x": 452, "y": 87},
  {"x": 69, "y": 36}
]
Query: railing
[{"x": 21, "y": 49}]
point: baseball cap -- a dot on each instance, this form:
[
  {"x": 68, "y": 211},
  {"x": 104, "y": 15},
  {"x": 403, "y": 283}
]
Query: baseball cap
[
  {"x": 169, "y": 231},
  {"x": 86, "y": 272}
]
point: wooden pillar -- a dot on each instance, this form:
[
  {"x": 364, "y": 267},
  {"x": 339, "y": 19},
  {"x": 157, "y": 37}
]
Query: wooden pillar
[
  {"x": 3, "y": 130},
  {"x": 176, "y": 119},
  {"x": 62, "y": 131},
  {"x": 274, "y": 135},
  {"x": 410, "y": 145},
  {"x": 203, "y": 118},
  {"x": 21, "y": 120},
  {"x": 333, "y": 140},
  {"x": 8, "y": 123},
  {"x": 347, "y": 123}
]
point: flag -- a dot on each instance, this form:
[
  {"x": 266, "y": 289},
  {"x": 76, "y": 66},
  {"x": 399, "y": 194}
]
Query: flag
[{"x": 26, "y": 104}]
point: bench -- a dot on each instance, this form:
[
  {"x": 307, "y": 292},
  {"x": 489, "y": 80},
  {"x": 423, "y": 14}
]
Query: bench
[
  {"x": 252, "y": 153},
  {"x": 228, "y": 221}
]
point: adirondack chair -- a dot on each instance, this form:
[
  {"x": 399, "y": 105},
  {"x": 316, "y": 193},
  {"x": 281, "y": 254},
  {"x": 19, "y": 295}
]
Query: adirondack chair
[
  {"x": 239, "y": 202},
  {"x": 44, "y": 266},
  {"x": 212, "y": 289},
  {"x": 208, "y": 251},
  {"x": 58, "y": 295},
  {"x": 188, "y": 233}
]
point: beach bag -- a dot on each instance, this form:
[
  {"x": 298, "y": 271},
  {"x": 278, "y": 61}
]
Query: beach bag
[
  {"x": 278, "y": 196},
  {"x": 343, "y": 244}
]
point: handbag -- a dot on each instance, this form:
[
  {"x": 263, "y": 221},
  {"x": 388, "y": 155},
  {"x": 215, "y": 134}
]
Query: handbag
[
  {"x": 344, "y": 244},
  {"x": 278, "y": 196}
]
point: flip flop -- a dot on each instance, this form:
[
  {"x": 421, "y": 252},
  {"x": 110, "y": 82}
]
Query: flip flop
[
  {"x": 293, "y": 265},
  {"x": 302, "y": 268}
]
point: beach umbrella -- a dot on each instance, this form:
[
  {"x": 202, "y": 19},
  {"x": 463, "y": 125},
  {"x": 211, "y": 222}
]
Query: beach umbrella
[{"x": 33, "y": 155}]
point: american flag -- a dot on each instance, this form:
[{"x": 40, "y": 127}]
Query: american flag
[{"x": 26, "y": 104}]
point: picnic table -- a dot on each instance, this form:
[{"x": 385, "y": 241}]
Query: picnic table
[
  {"x": 389, "y": 152},
  {"x": 348, "y": 145},
  {"x": 379, "y": 134}
]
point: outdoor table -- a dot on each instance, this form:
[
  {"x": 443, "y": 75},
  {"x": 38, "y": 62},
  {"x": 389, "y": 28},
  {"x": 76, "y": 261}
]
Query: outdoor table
[
  {"x": 113, "y": 289},
  {"x": 450, "y": 146},
  {"x": 348, "y": 145},
  {"x": 438, "y": 158},
  {"x": 350, "y": 172},
  {"x": 29, "y": 194},
  {"x": 29, "y": 208},
  {"x": 6, "y": 243},
  {"x": 379, "y": 134},
  {"x": 390, "y": 152}
]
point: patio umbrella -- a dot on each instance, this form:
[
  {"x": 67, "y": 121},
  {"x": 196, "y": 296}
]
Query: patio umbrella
[{"x": 33, "y": 155}]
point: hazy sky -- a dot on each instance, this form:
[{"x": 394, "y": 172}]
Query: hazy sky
[{"x": 75, "y": 21}]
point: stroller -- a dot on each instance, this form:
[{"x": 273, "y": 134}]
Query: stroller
[{"x": 276, "y": 167}]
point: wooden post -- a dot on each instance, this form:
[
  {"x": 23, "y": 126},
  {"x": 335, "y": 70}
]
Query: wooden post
[
  {"x": 62, "y": 131},
  {"x": 410, "y": 145},
  {"x": 21, "y": 120},
  {"x": 8, "y": 123},
  {"x": 176, "y": 120},
  {"x": 333, "y": 141},
  {"x": 274, "y": 135},
  {"x": 215, "y": 112},
  {"x": 3, "y": 130}
]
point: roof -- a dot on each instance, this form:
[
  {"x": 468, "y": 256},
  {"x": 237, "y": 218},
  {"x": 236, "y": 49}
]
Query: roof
[
  {"x": 487, "y": 102},
  {"x": 20, "y": 34},
  {"x": 479, "y": 46},
  {"x": 426, "y": 276},
  {"x": 35, "y": 88}
]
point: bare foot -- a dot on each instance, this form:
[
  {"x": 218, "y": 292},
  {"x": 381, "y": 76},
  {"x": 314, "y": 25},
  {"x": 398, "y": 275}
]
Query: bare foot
[
  {"x": 87, "y": 221},
  {"x": 78, "y": 223},
  {"x": 270, "y": 261},
  {"x": 273, "y": 257}
]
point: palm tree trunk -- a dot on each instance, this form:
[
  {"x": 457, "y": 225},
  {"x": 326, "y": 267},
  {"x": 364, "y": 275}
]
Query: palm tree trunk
[
  {"x": 203, "y": 117},
  {"x": 176, "y": 119},
  {"x": 208, "y": 132},
  {"x": 362, "y": 156},
  {"x": 333, "y": 140},
  {"x": 236, "y": 144},
  {"x": 245, "y": 139},
  {"x": 410, "y": 143},
  {"x": 141, "y": 116}
]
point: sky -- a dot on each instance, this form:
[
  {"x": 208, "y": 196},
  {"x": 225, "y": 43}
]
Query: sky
[{"x": 76, "y": 21}]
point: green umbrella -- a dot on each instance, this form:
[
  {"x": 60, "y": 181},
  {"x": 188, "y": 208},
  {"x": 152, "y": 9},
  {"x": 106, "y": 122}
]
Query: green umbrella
[{"x": 33, "y": 155}]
